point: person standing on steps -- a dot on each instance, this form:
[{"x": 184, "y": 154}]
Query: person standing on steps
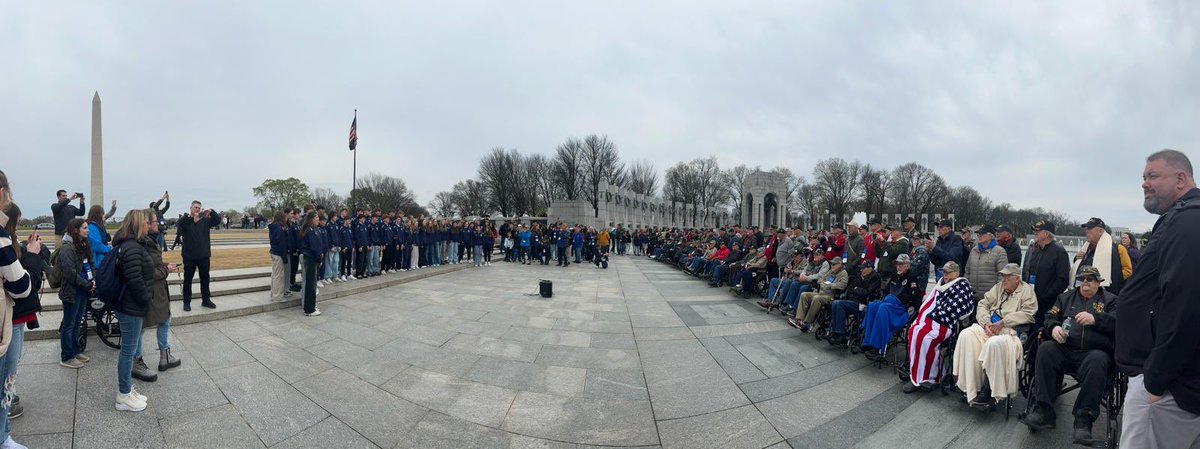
[
  {"x": 18, "y": 268},
  {"x": 310, "y": 253},
  {"x": 195, "y": 229},
  {"x": 63, "y": 211},
  {"x": 160, "y": 211}
]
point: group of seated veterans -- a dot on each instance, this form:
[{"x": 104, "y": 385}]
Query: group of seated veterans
[{"x": 986, "y": 339}]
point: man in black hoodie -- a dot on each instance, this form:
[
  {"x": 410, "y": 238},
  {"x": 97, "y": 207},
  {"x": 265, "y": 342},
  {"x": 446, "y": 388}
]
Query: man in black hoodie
[{"x": 1159, "y": 344}]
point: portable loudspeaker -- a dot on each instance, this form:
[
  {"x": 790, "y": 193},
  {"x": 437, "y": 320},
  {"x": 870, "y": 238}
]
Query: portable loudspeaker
[{"x": 546, "y": 288}]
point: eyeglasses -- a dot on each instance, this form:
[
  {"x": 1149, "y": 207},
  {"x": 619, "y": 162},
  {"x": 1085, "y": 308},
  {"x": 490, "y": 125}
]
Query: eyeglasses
[{"x": 1089, "y": 279}]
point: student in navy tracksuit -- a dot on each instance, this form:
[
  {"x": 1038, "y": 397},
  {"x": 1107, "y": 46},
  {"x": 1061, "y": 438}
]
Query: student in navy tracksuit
[
  {"x": 293, "y": 231},
  {"x": 346, "y": 236},
  {"x": 577, "y": 244},
  {"x": 562, "y": 239},
  {"x": 332, "y": 265},
  {"x": 385, "y": 242},
  {"x": 475, "y": 237},
  {"x": 404, "y": 259},
  {"x": 277, "y": 233},
  {"x": 362, "y": 241},
  {"x": 310, "y": 252}
]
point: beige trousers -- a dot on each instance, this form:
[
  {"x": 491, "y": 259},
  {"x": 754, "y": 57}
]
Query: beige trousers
[
  {"x": 811, "y": 303},
  {"x": 998, "y": 357},
  {"x": 279, "y": 270}
]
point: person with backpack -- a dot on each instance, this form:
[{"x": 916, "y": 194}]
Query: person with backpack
[
  {"x": 75, "y": 283},
  {"x": 134, "y": 271},
  {"x": 19, "y": 267},
  {"x": 159, "y": 313},
  {"x": 97, "y": 235}
]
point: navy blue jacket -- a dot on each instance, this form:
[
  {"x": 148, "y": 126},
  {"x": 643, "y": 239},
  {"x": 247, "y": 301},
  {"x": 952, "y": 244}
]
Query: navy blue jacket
[
  {"x": 279, "y": 239},
  {"x": 310, "y": 245},
  {"x": 362, "y": 236}
]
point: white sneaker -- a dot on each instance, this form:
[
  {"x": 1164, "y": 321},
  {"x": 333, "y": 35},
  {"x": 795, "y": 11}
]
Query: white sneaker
[
  {"x": 320, "y": 284},
  {"x": 317, "y": 292},
  {"x": 315, "y": 312},
  {"x": 141, "y": 397},
  {"x": 353, "y": 278},
  {"x": 129, "y": 403},
  {"x": 10, "y": 444}
]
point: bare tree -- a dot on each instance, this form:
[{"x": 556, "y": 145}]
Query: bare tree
[
  {"x": 498, "y": 173},
  {"x": 808, "y": 200},
  {"x": 382, "y": 192},
  {"x": 642, "y": 178},
  {"x": 471, "y": 198},
  {"x": 734, "y": 179},
  {"x": 541, "y": 176},
  {"x": 874, "y": 187},
  {"x": 836, "y": 181},
  {"x": 443, "y": 205},
  {"x": 916, "y": 189},
  {"x": 600, "y": 163},
  {"x": 568, "y": 169},
  {"x": 968, "y": 206},
  {"x": 792, "y": 185},
  {"x": 322, "y": 196}
]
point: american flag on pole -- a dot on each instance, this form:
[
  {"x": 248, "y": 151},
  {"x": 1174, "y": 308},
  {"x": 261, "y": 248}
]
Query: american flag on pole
[{"x": 354, "y": 132}]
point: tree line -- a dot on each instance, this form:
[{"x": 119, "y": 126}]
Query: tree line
[{"x": 512, "y": 183}]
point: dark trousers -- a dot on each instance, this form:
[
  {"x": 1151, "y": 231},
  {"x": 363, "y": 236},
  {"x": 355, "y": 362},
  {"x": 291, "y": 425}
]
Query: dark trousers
[
  {"x": 360, "y": 261},
  {"x": 309, "y": 300},
  {"x": 293, "y": 267},
  {"x": 487, "y": 253},
  {"x": 345, "y": 262},
  {"x": 405, "y": 257},
  {"x": 389, "y": 254},
  {"x": 562, "y": 256},
  {"x": 1091, "y": 368},
  {"x": 189, "y": 269}
]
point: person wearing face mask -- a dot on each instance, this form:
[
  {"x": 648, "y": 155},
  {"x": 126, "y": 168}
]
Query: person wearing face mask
[
  {"x": 1082, "y": 326},
  {"x": 1159, "y": 344}
]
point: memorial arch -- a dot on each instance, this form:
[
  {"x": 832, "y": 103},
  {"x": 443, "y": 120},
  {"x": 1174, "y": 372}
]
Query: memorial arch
[{"x": 771, "y": 191}]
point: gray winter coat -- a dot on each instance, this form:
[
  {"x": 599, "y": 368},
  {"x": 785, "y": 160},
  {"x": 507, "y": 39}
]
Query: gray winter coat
[
  {"x": 983, "y": 268},
  {"x": 70, "y": 264}
]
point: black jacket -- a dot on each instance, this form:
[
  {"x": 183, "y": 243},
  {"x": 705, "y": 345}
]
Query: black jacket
[
  {"x": 196, "y": 243},
  {"x": 1102, "y": 307},
  {"x": 35, "y": 266},
  {"x": 1013, "y": 250},
  {"x": 1049, "y": 270},
  {"x": 137, "y": 272},
  {"x": 864, "y": 289},
  {"x": 907, "y": 288},
  {"x": 1159, "y": 335},
  {"x": 70, "y": 263},
  {"x": 63, "y": 212}
]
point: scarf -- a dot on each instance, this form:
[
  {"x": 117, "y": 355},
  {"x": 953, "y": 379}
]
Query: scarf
[
  {"x": 991, "y": 244},
  {"x": 1102, "y": 260}
]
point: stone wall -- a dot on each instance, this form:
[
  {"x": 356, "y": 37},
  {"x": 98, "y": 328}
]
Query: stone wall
[{"x": 622, "y": 206}]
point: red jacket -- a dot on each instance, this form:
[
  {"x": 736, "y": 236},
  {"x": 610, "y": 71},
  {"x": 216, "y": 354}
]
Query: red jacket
[
  {"x": 721, "y": 254},
  {"x": 836, "y": 247}
]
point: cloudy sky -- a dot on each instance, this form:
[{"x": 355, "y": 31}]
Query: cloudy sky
[{"x": 1051, "y": 104}]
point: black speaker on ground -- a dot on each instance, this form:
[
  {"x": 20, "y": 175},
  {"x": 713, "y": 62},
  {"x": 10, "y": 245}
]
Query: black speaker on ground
[{"x": 546, "y": 288}]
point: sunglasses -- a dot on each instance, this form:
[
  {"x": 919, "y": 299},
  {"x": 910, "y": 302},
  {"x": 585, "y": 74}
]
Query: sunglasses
[{"x": 1088, "y": 279}]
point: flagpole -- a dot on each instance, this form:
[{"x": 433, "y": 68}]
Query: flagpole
[{"x": 354, "y": 166}]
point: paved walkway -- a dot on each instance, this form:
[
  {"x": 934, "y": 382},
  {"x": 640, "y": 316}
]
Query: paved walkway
[{"x": 635, "y": 356}]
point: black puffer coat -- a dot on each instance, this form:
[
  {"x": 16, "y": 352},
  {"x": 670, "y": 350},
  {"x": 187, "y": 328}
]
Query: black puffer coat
[{"x": 137, "y": 272}]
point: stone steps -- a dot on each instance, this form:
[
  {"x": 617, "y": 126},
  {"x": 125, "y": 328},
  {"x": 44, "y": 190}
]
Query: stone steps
[{"x": 255, "y": 300}]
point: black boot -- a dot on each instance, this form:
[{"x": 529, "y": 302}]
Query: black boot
[
  {"x": 1083, "y": 430},
  {"x": 1042, "y": 417}
]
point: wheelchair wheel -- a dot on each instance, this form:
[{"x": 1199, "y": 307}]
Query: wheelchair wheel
[
  {"x": 761, "y": 286},
  {"x": 108, "y": 328},
  {"x": 898, "y": 357}
]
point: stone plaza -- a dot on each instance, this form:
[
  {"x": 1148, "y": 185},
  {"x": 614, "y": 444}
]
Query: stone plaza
[{"x": 639, "y": 355}]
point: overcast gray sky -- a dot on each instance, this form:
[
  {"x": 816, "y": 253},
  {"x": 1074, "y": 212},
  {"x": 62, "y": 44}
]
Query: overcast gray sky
[{"x": 1051, "y": 104}]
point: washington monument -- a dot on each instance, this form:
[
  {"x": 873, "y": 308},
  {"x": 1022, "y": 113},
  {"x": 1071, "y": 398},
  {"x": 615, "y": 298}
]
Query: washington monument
[{"x": 97, "y": 194}]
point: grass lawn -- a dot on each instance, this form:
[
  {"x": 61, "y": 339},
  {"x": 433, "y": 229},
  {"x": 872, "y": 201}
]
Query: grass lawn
[{"x": 224, "y": 259}]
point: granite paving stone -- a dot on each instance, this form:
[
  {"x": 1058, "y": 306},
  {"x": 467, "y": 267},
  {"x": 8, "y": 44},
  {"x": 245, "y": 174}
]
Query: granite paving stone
[
  {"x": 584, "y": 421},
  {"x": 327, "y": 433},
  {"x": 219, "y": 426},
  {"x": 677, "y": 371},
  {"x": 274, "y": 409},
  {"x": 465, "y": 399},
  {"x": 375, "y": 414}
]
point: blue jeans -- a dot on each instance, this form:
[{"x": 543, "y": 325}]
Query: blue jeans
[
  {"x": 772, "y": 289},
  {"x": 453, "y": 252},
  {"x": 718, "y": 273},
  {"x": 68, "y": 328},
  {"x": 843, "y": 309},
  {"x": 477, "y": 255},
  {"x": 792, "y": 295},
  {"x": 163, "y": 333},
  {"x": 577, "y": 253},
  {"x": 8, "y": 374},
  {"x": 696, "y": 262},
  {"x": 131, "y": 340}
]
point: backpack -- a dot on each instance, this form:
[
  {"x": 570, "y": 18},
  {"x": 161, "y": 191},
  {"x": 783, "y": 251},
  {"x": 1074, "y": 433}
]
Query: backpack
[
  {"x": 109, "y": 285},
  {"x": 53, "y": 274}
]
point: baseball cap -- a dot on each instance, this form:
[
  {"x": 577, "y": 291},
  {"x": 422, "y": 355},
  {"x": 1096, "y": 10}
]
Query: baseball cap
[
  {"x": 1004, "y": 228},
  {"x": 1093, "y": 223},
  {"x": 874, "y": 221},
  {"x": 1011, "y": 269},
  {"x": 1043, "y": 225},
  {"x": 909, "y": 220},
  {"x": 987, "y": 229},
  {"x": 852, "y": 224},
  {"x": 1088, "y": 270},
  {"x": 903, "y": 258},
  {"x": 945, "y": 223},
  {"x": 835, "y": 261}
]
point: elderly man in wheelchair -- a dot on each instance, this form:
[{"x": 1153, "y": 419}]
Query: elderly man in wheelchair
[
  {"x": 1081, "y": 327},
  {"x": 992, "y": 346}
]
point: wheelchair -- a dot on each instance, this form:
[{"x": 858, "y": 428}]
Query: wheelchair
[
  {"x": 898, "y": 356},
  {"x": 822, "y": 328},
  {"x": 1111, "y": 401},
  {"x": 108, "y": 328}
]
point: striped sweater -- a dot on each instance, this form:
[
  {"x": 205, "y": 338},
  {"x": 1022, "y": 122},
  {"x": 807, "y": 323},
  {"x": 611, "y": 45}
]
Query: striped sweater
[{"x": 17, "y": 283}]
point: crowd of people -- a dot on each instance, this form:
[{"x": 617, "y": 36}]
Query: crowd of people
[{"x": 973, "y": 308}]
